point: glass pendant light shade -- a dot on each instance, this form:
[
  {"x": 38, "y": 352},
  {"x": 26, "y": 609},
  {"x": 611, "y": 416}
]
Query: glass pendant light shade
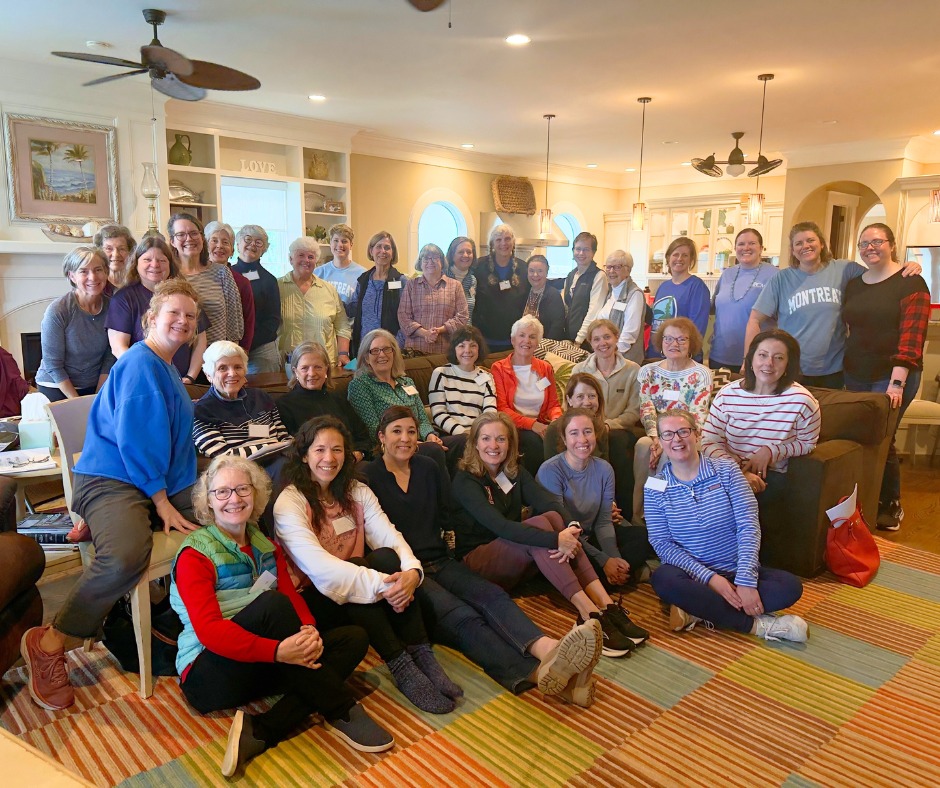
[
  {"x": 149, "y": 186},
  {"x": 933, "y": 208},
  {"x": 545, "y": 223},
  {"x": 755, "y": 209},
  {"x": 639, "y": 216}
]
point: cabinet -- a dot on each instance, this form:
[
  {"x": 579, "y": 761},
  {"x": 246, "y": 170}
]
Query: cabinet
[{"x": 316, "y": 179}]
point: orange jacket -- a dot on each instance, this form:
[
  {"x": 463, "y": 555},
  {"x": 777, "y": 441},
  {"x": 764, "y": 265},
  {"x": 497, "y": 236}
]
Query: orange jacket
[{"x": 506, "y": 384}]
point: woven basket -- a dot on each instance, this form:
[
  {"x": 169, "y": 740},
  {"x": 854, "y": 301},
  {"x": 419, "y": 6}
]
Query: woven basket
[{"x": 513, "y": 195}]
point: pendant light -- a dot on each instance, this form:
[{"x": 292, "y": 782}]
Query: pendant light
[
  {"x": 639, "y": 207},
  {"x": 933, "y": 208},
  {"x": 545, "y": 215}
]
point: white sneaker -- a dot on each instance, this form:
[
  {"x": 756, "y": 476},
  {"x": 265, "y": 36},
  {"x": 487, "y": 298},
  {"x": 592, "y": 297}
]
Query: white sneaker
[{"x": 787, "y": 627}]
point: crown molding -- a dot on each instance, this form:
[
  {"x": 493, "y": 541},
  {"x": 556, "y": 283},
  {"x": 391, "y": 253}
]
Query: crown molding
[
  {"x": 368, "y": 143},
  {"x": 918, "y": 183},
  {"x": 848, "y": 152}
]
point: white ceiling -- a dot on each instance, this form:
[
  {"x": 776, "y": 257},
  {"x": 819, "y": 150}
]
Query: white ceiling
[{"x": 870, "y": 65}]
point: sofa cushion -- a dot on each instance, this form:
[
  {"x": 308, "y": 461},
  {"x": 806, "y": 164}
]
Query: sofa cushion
[{"x": 858, "y": 416}]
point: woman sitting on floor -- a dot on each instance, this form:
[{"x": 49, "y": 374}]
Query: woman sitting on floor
[
  {"x": 766, "y": 418},
  {"x": 241, "y": 642},
  {"x": 702, "y": 519},
  {"x": 231, "y": 418},
  {"x": 494, "y": 541},
  {"x": 326, "y": 520},
  {"x": 584, "y": 485},
  {"x": 473, "y": 615}
]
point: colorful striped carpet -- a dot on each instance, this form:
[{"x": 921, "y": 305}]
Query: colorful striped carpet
[{"x": 859, "y": 705}]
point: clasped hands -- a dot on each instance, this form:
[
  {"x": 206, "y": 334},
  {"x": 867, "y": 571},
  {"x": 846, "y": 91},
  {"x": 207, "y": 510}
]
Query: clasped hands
[
  {"x": 400, "y": 589},
  {"x": 569, "y": 544},
  {"x": 739, "y": 597},
  {"x": 755, "y": 469},
  {"x": 302, "y": 648}
]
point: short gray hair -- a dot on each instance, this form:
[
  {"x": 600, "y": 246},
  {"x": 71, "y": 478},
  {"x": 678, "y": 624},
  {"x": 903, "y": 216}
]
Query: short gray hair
[
  {"x": 253, "y": 230},
  {"x": 305, "y": 243},
  {"x": 115, "y": 231},
  {"x": 528, "y": 321},
  {"x": 78, "y": 257},
  {"x": 364, "y": 363},
  {"x": 259, "y": 480},
  {"x": 214, "y": 227},
  {"x": 622, "y": 257},
  {"x": 219, "y": 350}
]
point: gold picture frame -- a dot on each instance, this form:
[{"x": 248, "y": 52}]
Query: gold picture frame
[{"x": 61, "y": 171}]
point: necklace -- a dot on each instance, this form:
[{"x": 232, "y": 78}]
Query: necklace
[{"x": 735, "y": 281}]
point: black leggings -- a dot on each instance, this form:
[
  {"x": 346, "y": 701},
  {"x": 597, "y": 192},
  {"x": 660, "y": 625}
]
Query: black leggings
[
  {"x": 215, "y": 682},
  {"x": 389, "y": 632}
]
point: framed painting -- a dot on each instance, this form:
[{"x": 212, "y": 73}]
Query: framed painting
[{"x": 61, "y": 171}]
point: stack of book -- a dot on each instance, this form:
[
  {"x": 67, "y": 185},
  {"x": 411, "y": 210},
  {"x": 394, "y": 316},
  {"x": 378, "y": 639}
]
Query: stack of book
[{"x": 50, "y": 530}]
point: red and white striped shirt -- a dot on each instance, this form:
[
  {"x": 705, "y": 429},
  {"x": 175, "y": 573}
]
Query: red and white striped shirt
[{"x": 741, "y": 422}]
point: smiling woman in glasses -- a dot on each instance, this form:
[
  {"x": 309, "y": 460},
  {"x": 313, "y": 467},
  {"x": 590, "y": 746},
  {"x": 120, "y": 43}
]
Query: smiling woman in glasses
[
  {"x": 676, "y": 382},
  {"x": 702, "y": 520}
]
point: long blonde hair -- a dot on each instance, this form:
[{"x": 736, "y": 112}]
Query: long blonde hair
[{"x": 472, "y": 463}]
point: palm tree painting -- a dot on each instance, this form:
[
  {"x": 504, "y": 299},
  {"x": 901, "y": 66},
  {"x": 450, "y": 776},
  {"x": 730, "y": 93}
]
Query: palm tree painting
[
  {"x": 62, "y": 171},
  {"x": 79, "y": 155}
]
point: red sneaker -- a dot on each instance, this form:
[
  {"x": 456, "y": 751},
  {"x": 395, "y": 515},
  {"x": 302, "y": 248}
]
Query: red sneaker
[{"x": 48, "y": 676}]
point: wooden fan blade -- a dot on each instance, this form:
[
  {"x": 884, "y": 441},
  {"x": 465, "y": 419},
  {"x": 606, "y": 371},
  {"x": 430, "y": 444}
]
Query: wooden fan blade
[
  {"x": 426, "y": 5},
  {"x": 216, "y": 77},
  {"x": 113, "y": 77},
  {"x": 171, "y": 86},
  {"x": 167, "y": 59},
  {"x": 104, "y": 59}
]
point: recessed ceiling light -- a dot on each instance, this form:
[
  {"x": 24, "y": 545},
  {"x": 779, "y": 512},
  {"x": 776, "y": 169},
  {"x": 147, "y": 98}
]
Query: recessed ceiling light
[
  {"x": 670, "y": 142},
  {"x": 518, "y": 40},
  {"x": 591, "y": 166},
  {"x": 630, "y": 169},
  {"x": 98, "y": 45},
  {"x": 316, "y": 97},
  {"x": 686, "y": 164},
  {"x": 937, "y": 133},
  {"x": 467, "y": 146}
]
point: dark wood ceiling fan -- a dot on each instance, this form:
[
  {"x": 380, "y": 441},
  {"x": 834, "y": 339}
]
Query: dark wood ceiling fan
[
  {"x": 170, "y": 72},
  {"x": 426, "y": 5}
]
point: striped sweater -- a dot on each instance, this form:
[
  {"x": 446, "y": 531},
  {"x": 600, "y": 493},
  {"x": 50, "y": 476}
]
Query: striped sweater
[
  {"x": 457, "y": 397},
  {"x": 741, "y": 422},
  {"x": 707, "y": 525},
  {"x": 223, "y": 426}
]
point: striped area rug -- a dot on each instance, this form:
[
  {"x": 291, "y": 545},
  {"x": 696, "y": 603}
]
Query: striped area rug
[{"x": 858, "y": 705}]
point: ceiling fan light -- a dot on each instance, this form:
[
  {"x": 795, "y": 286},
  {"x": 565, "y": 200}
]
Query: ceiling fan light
[{"x": 734, "y": 170}]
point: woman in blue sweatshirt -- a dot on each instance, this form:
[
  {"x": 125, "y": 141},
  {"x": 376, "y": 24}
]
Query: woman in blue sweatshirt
[
  {"x": 136, "y": 472},
  {"x": 702, "y": 522}
]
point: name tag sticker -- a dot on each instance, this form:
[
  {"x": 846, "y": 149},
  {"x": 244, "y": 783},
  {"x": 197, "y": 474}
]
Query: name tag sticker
[
  {"x": 259, "y": 431},
  {"x": 542, "y": 383},
  {"x": 394, "y": 284},
  {"x": 670, "y": 394},
  {"x": 505, "y": 284},
  {"x": 265, "y": 582},
  {"x": 411, "y": 391},
  {"x": 252, "y": 276},
  {"x": 655, "y": 484},
  {"x": 619, "y": 306},
  {"x": 343, "y": 525},
  {"x": 503, "y": 481}
]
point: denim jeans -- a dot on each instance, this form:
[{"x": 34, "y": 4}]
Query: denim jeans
[
  {"x": 891, "y": 480},
  {"x": 479, "y": 619}
]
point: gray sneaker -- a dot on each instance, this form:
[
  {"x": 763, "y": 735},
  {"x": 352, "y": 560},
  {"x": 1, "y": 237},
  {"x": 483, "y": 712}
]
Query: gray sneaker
[
  {"x": 242, "y": 745},
  {"x": 361, "y": 732},
  {"x": 787, "y": 627}
]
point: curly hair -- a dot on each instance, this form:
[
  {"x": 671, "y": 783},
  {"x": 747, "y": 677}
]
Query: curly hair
[
  {"x": 687, "y": 327},
  {"x": 258, "y": 479},
  {"x": 297, "y": 472},
  {"x": 472, "y": 463}
]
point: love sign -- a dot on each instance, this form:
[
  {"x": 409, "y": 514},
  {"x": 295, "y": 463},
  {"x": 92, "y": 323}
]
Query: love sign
[{"x": 256, "y": 165}]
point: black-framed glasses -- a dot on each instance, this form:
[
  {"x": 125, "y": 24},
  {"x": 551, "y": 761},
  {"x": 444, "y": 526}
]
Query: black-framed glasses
[
  {"x": 375, "y": 352},
  {"x": 877, "y": 243},
  {"x": 680, "y": 341},
  {"x": 249, "y": 240},
  {"x": 192, "y": 235},
  {"x": 224, "y": 493},
  {"x": 617, "y": 267},
  {"x": 682, "y": 432}
]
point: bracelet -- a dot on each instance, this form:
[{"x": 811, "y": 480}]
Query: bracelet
[
  {"x": 898, "y": 383},
  {"x": 343, "y": 353},
  {"x": 187, "y": 377}
]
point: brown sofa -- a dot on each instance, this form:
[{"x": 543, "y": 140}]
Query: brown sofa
[
  {"x": 21, "y": 565},
  {"x": 853, "y": 445}
]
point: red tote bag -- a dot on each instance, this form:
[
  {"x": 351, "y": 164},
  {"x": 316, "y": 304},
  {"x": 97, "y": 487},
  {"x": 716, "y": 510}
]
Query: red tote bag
[{"x": 851, "y": 553}]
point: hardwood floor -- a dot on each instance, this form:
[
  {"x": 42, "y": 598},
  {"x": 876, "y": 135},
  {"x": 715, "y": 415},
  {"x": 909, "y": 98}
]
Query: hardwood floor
[{"x": 920, "y": 497}]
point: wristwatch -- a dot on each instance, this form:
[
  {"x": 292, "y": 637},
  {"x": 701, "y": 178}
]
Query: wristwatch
[{"x": 898, "y": 383}]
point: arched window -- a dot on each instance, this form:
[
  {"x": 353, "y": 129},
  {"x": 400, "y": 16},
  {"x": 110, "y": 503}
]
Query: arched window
[
  {"x": 560, "y": 258},
  {"x": 439, "y": 224}
]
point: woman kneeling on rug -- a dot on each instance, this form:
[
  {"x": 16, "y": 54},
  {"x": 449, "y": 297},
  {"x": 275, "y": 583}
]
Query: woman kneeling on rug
[
  {"x": 494, "y": 540},
  {"x": 248, "y": 634},
  {"x": 473, "y": 615},
  {"x": 326, "y": 521},
  {"x": 702, "y": 521}
]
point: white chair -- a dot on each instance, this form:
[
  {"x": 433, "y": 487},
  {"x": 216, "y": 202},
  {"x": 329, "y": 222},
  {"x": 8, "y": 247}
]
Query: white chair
[
  {"x": 69, "y": 420},
  {"x": 924, "y": 413}
]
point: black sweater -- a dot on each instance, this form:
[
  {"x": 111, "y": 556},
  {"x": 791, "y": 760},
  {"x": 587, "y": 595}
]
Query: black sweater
[
  {"x": 496, "y": 310},
  {"x": 299, "y": 405},
  {"x": 267, "y": 301},
  {"x": 486, "y": 513}
]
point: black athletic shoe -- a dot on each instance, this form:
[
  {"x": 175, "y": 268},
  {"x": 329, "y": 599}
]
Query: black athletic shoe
[
  {"x": 622, "y": 621},
  {"x": 890, "y": 516}
]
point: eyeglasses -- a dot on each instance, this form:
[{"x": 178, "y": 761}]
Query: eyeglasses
[
  {"x": 375, "y": 352},
  {"x": 680, "y": 341},
  {"x": 9, "y": 463},
  {"x": 249, "y": 240},
  {"x": 224, "y": 493},
  {"x": 192, "y": 235},
  {"x": 682, "y": 432},
  {"x": 613, "y": 267},
  {"x": 877, "y": 243}
]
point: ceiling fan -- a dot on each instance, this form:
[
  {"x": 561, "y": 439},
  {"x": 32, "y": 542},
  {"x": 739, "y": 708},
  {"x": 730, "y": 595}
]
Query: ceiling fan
[
  {"x": 170, "y": 72},
  {"x": 426, "y": 5}
]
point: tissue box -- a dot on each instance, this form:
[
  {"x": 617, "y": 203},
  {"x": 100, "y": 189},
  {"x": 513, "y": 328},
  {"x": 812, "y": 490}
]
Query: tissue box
[{"x": 36, "y": 434}]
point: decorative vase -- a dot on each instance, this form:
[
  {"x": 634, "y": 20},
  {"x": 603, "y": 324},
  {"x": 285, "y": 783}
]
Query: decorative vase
[
  {"x": 319, "y": 168},
  {"x": 180, "y": 154}
]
